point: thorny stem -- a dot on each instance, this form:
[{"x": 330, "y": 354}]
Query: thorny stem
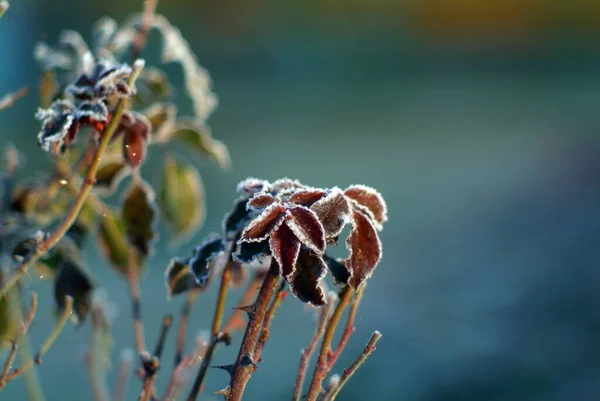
[
  {"x": 37, "y": 360},
  {"x": 244, "y": 365},
  {"x": 264, "y": 335},
  {"x": 375, "y": 337},
  {"x": 15, "y": 346},
  {"x": 216, "y": 327},
  {"x": 84, "y": 191},
  {"x": 236, "y": 320},
  {"x": 324, "y": 314},
  {"x": 184, "y": 318},
  {"x": 321, "y": 369},
  {"x": 136, "y": 303},
  {"x": 348, "y": 330}
]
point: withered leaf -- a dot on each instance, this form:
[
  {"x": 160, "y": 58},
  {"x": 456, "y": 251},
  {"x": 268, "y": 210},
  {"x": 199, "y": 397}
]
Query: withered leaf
[
  {"x": 202, "y": 255},
  {"x": 152, "y": 85},
  {"x": 251, "y": 186},
  {"x": 263, "y": 225},
  {"x": 338, "y": 270},
  {"x": 284, "y": 184},
  {"x": 72, "y": 280},
  {"x": 139, "y": 217},
  {"x": 307, "y": 197},
  {"x": 135, "y": 129},
  {"x": 248, "y": 252},
  {"x": 260, "y": 201},
  {"x": 234, "y": 221},
  {"x": 371, "y": 199},
  {"x": 285, "y": 247},
  {"x": 113, "y": 241},
  {"x": 162, "y": 120},
  {"x": 306, "y": 281},
  {"x": 179, "y": 277},
  {"x": 364, "y": 249},
  {"x": 181, "y": 197},
  {"x": 307, "y": 227},
  {"x": 334, "y": 212},
  {"x": 197, "y": 137},
  {"x": 110, "y": 173}
]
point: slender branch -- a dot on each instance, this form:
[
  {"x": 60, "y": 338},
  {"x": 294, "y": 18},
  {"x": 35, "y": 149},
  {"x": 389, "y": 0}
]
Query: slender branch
[
  {"x": 321, "y": 369},
  {"x": 265, "y": 331},
  {"x": 178, "y": 377},
  {"x": 96, "y": 366},
  {"x": 244, "y": 365},
  {"x": 375, "y": 337},
  {"x": 236, "y": 320},
  {"x": 348, "y": 330},
  {"x": 324, "y": 315},
  {"x": 8, "y": 101},
  {"x": 84, "y": 191},
  {"x": 136, "y": 303},
  {"x": 151, "y": 368},
  {"x": 37, "y": 360},
  {"x": 124, "y": 375},
  {"x": 15, "y": 346},
  {"x": 142, "y": 33},
  {"x": 164, "y": 329},
  {"x": 184, "y": 318}
]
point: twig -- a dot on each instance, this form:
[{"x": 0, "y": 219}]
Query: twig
[
  {"x": 164, "y": 329},
  {"x": 184, "y": 318},
  {"x": 376, "y": 336},
  {"x": 244, "y": 365},
  {"x": 8, "y": 100},
  {"x": 187, "y": 362},
  {"x": 321, "y": 369},
  {"x": 324, "y": 314},
  {"x": 95, "y": 361},
  {"x": 37, "y": 360},
  {"x": 151, "y": 368},
  {"x": 265, "y": 331},
  {"x": 84, "y": 191},
  {"x": 142, "y": 33},
  {"x": 136, "y": 303},
  {"x": 348, "y": 330},
  {"x": 124, "y": 375},
  {"x": 15, "y": 346}
]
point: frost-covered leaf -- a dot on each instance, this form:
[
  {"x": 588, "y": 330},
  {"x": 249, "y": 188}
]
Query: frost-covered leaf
[
  {"x": 59, "y": 127},
  {"x": 307, "y": 197},
  {"x": 94, "y": 110},
  {"x": 263, "y": 225},
  {"x": 104, "y": 79},
  {"x": 334, "y": 212},
  {"x": 285, "y": 247},
  {"x": 152, "y": 85},
  {"x": 50, "y": 59},
  {"x": 307, "y": 227},
  {"x": 202, "y": 255},
  {"x": 73, "y": 40},
  {"x": 104, "y": 30},
  {"x": 27, "y": 247},
  {"x": 371, "y": 199},
  {"x": 338, "y": 270},
  {"x": 139, "y": 217},
  {"x": 251, "y": 186},
  {"x": 248, "y": 252},
  {"x": 112, "y": 241},
  {"x": 72, "y": 280},
  {"x": 197, "y": 137},
  {"x": 261, "y": 201},
  {"x": 135, "y": 129},
  {"x": 285, "y": 184},
  {"x": 364, "y": 249},
  {"x": 306, "y": 281},
  {"x": 162, "y": 120},
  {"x": 111, "y": 172},
  {"x": 181, "y": 197},
  {"x": 234, "y": 221},
  {"x": 179, "y": 277}
]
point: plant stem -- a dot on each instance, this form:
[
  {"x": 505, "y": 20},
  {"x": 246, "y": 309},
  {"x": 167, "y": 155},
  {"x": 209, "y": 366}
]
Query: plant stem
[
  {"x": 95, "y": 360},
  {"x": 236, "y": 320},
  {"x": 164, "y": 329},
  {"x": 321, "y": 368},
  {"x": 136, "y": 303},
  {"x": 216, "y": 328},
  {"x": 376, "y": 336},
  {"x": 123, "y": 378},
  {"x": 84, "y": 191},
  {"x": 348, "y": 330},
  {"x": 142, "y": 33},
  {"x": 307, "y": 353},
  {"x": 265, "y": 332},
  {"x": 244, "y": 364},
  {"x": 184, "y": 318}
]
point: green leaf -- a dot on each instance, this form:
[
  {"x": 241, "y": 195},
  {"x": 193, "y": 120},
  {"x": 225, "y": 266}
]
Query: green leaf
[
  {"x": 83, "y": 225},
  {"x": 49, "y": 265},
  {"x": 162, "y": 119},
  {"x": 152, "y": 85},
  {"x": 196, "y": 136},
  {"x": 110, "y": 174},
  {"x": 72, "y": 280},
  {"x": 113, "y": 242},
  {"x": 181, "y": 197},
  {"x": 139, "y": 217},
  {"x": 8, "y": 328},
  {"x": 179, "y": 277}
]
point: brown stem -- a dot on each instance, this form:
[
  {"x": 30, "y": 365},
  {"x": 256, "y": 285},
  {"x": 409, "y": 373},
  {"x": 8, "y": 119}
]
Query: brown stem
[
  {"x": 236, "y": 320},
  {"x": 146, "y": 23},
  {"x": 136, "y": 304},
  {"x": 184, "y": 318},
  {"x": 187, "y": 362},
  {"x": 357, "y": 364},
  {"x": 265, "y": 331},
  {"x": 244, "y": 365},
  {"x": 151, "y": 368},
  {"x": 324, "y": 314},
  {"x": 348, "y": 330},
  {"x": 84, "y": 191},
  {"x": 123, "y": 378},
  {"x": 22, "y": 333},
  {"x": 321, "y": 369},
  {"x": 164, "y": 329}
]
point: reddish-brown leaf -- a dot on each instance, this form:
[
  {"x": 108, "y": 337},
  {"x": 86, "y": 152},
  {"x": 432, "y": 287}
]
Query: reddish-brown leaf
[
  {"x": 307, "y": 197},
  {"x": 262, "y": 226},
  {"x": 136, "y": 129},
  {"x": 334, "y": 212},
  {"x": 134, "y": 149},
  {"x": 260, "y": 201},
  {"x": 252, "y": 186},
  {"x": 371, "y": 199},
  {"x": 285, "y": 247},
  {"x": 306, "y": 282},
  {"x": 364, "y": 247},
  {"x": 307, "y": 227}
]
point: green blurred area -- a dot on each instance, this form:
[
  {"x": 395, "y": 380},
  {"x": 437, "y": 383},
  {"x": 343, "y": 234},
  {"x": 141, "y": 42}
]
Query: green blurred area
[{"x": 479, "y": 123}]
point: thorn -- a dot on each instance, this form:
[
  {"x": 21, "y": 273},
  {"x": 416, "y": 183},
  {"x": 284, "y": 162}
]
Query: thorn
[
  {"x": 249, "y": 309},
  {"x": 226, "y": 368},
  {"x": 225, "y": 392},
  {"x": 248, "y": 361}
]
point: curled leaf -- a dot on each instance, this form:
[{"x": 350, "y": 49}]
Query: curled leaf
[
  {"x": 197, "y": 137},
  {"x": 235, "y": 220},
  {"x": 111, "y": 172},
  {"x": 285, "y": 248},
  {"x": 306, "y": 281},
  {"x": 181, "y": 197},
  {"x": 59, "y": 127},
  {"x": 139, "y": 217},
  {"x": 364, "y": 248},
  {"x": 248, "y": 252},
  {"x": 266, "y": 223},
  {"x": 179, "y": 277},
  {"x": 307, "y": 227},
  {"x": 251, "y": 186},
  {"x": 112, "y": 241},
  {"x": 73, "y": 281},
  {"x": 104, "y": 79},
  {"x": 135, "y": 129},
  {"x": 371, "y": 199},
  {"x": 338, "y": 270},
  {"x": 307, "y": 197},
  {"x": 203, "y": 255},
  {"x": 334, "y": 212},
  {"x": 260, "y": 201}
]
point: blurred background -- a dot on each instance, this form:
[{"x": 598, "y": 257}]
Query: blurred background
[{"x": 478, "y": 121}]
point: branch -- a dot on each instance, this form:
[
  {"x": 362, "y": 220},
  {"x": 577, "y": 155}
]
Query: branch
[
  {"x": 348, "y": 330},
  {"x": 184, "y": 318},
  {"x": 84, "y": 191},
  {"x": 8, "y": 100},
  {"x": 164, "y": 329},
  {"x": 133, "y": 281},
  {"x": 236, "y": 320},
  {"x": 99, "y": 326},
  {"x": 264, "y": 335},
  {"x": 146, "y": 23},
  {"x": 357, "y": 364}
]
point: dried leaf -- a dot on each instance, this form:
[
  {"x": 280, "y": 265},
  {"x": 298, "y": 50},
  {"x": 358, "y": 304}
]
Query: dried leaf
[
  {"x": 307, "y": 227},
  {"x": 197, "y": 137},
  {"x": 364, "y": 247},
  {"x": 261, "y": 201},
  {"x": 251, "y": 186},
  {"x": 93, "y": 110},
  {"x": 285, "y": 247},
  {"x": 139, "y": 217},
  {"x": 49, "y": 87},
  {"x": 105, "y": 79},
  {"x": 113, "y": 241},
  {"x": 248, "y": 252},
  {"x": 104, "y": 29},
  {"x": 111, "y": 172},
  {"x": 334, "y": 212},
  {"x": 181, "y": 197},
  {"x": 202, "y": 255},
  {"x": 371, "y": 199},
  {"x": 338, "y": 270},
  {"x": 235, "y": 220},
  {"x": 135, "y": 129},
  {"x": 58, "y": 126},
  {"x": 72, "y": 280},
  {"x": 306, "y": 281},
  {"x": 162, "y": 120},
  {"x": 179, "y": 277},
  {"x": 263, "y": 225},
  {"x": 284, "y": 184},
  {"x": 307, "y": 197}
]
